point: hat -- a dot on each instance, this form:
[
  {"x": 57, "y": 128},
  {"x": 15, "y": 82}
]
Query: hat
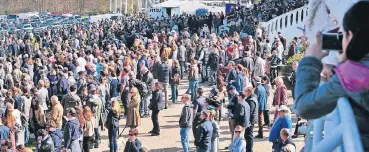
[
  {"x": 283, "y": 108},
  {"x": 214, "y": 91},
  {"x": 71, "y": 111},
  {"x": 231, "y": 87},
  {"x": 257, "y": 80}
]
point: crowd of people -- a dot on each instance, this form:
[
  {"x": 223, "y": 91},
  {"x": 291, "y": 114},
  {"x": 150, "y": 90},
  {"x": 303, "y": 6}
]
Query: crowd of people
[{"x": 68, "y": 84}]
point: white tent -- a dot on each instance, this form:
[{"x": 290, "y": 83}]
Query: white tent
[{"x": 188, "y": 7}]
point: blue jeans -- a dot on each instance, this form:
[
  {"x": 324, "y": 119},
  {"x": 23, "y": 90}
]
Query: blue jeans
[
  {"x": 26, "y": 134},
  {"x": 113, "y": 138},
  {"x": 204, "y": 73},
  {"x": 174, "y": 92},
  {"x": 144, "y": 104},
  {"x": 193, "y": 88},
  {"x": 184, "y": 132},
  {"x": 183, "y": 68}
]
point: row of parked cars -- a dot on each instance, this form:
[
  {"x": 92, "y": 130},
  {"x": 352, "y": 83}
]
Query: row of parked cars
[{"x": 38, "y": 23}]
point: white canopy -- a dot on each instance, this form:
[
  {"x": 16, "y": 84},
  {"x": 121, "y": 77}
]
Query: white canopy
[{"x": 188, "y": 7}]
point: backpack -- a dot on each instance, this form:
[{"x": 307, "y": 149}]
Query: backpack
[{"x": 214, "y": 62}]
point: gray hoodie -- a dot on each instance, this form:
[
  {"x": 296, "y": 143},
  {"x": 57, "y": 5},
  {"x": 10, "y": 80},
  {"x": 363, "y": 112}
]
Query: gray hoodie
[
  {"x": 185, "y": 121},
  {"x": 70, "y": 100}
]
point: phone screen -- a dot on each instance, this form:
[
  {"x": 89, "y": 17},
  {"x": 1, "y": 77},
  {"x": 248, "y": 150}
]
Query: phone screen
[{"x": 332, "y": 41}]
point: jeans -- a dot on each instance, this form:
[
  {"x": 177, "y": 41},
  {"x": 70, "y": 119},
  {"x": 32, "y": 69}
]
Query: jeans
[
  {"x": 124, "y": 98},
  {"x": 26, "y": 135},
  {"x": 249, "y": 137},
  {"x": 87, "y": 144},
  {"x": 273, "y": 74},
  {"x": 215, "y": 145},
  {"x": 155, "y": 121},
  {"x": 260, "y": 122},
  {"x": 144, "y": 110},
  {"x": 183, "y": 67},
  {"x": 113, "y": 138},
  {"x": 174, "y": 92},
  {"x": 204, "y": 73},
  {"x": 184, "y": 132},
  {"x": 165, "y": 90},
  {"x": 97, "y": 137},
  {"x": 266, "y": 117},
  {"x": 193, "y": 88},
  {"x": 213, "y": 76}
]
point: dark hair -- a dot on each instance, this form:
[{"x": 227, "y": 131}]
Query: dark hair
[
  {"x": 200, "y": 91},
  {"x": 73, "y": 88},
  {"x": 356, "y": 20}
]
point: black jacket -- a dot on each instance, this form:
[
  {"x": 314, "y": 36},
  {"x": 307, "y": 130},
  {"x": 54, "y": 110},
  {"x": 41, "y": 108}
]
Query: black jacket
[
  {"x": 213, "y": 61},
  {"x": 204, "y": 133},
  {"x": 156, "y": 102},
  {"x": 113, "y": 119},
  {"x": 46, "y": 145},
  {"x": 248, "y": 62},
  {"x": 163, "y": 73},
  {"x": 71, "y": 132},
  {"x": 242, "y": 114},
  {"x": 253, "y": 103}
]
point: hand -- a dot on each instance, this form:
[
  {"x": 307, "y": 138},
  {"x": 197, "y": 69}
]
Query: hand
[
  {"x": 64, "y": 150},
  {"x": 39, "y": 138},
  {"x": 315, "y": 49}
]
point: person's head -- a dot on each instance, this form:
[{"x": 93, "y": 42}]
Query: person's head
[
  {"x": 356, "y": 32},
  {"x": 212, "y": 114},
  {"x": 239, "y": 68},
  {"x": 133, "y": 132},
  {"x": 294, "y": 65},
  {"x": 41, "y": 83},
  {"x": 71, "y": 112},
  {"x": 205, "y": 114},
  {"x": 241, "y": 97},
  {"x": 143, "y": 70},
  {"x": 256, "y": 81},
  {"x": 285, "y": 134},
  {"x": 248, "y": 91},
  {"x": 282, "y": 111},
  {"x": 134, "y": 91},
  {"x": 42, "y": 133},
  {"x": 185, "y": 98},
  {"x": 278, "y": 81},
  {"x": 237, "y": 131},
  {"x": 87, "y": 113},
  {"x": 54, "y": 100},
  {"x": 200, "y": 92}
]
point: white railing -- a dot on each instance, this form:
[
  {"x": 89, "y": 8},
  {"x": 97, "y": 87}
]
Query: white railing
[{"x": 288, "y": 24}]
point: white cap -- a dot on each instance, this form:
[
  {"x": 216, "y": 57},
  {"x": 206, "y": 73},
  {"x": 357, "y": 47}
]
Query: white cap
[{"x": 283, "y": 108}]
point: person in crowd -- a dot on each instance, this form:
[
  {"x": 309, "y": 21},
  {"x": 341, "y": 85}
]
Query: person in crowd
[
  {"x": 252, "y": 101},
  {"x": 133, "y": 144},
  {"x": 71, "y": 132},
  {"x": 238, "y": 142},
  {"x": 282, "y": 121},
  {"x": 280, "y": 95},
  {"x": 275, "y": 60},
  {"x": 240, "y": 79},
  {"x": 286, "y": 140},
  {"x": 213, "y": 63},
  {"x": 113, "y": 125},
  {"x": 44, "y": 142},
  {"x": 148, "y": 79},
  {"x": 71, "y": 99},
  {"x": 96, "y": 106},
  {"x": 215, "y": 136},
  {"x": 6, "y": 145},
  {"x": 11, "y": 122},
  {"x": 292, "y": 78},
  {"x": 133, "y": 116},
  {"x": 233, "y": 95},
  {"x": 37, "y": 116},
  {"x": 156, "y": 105},
  {"x": 56, "y": 135},
  {"x": 56, "y": 112},
  {"x": 163, "y": 78},
  {"x": 4, "y": 131},
  {"x": 26, "y": 102},
  {"x": 259, "y": 69},
  {"x": 88, "y": 130},
  {"x": 204, "y": 133},
  {"x": 43, "y": 95},
  {"x": 260, "y": 92},
  {"x": 185, "y": 121},
  {"x": 193, "y": 77},
  {"x": 174, "y": 74},
  {"x": 353, "y": 60},
  {"x": 198, "y": 107},
  {"x": 124, "y": 89},
  {"x": 82, "y": 121}
]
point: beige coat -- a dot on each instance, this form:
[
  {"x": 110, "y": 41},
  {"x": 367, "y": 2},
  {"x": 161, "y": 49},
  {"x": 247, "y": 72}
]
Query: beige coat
[
  {"x": 88, "y": 130},
  {"x": 57, "y": 114},
  {"x": 133, "y": 118}
]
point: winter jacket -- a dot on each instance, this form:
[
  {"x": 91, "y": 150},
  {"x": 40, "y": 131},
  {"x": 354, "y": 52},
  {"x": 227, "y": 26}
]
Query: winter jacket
[
  {"x": 262, "y": 96},
  {"x": 259, "y": 67},
  {"x": 114, "y": 87},
  {"x": 70, "y": 100},
  {"x": 57, "y": 137},
  {"x": 4, "y": 132},
  {"x": 95, "y": 104},
  {"x": 281, "y": 97},
  {"x": 57, "y": 114},
  {"x": 163, "y": 73},
  {"x": 238, "y": 145},
  {"x": 194, "y": 73},
  {"x": 133, "y": 146},
  {"x": 148, "y": 79},
  {"x": 185, "y": 121},
  {"x": 45, "y": 145},
  {"x": 213, "y": 62},
  {"x": 199, "y": 104},
  {"x": 314, "y": 101},
  {"x": 248, "y": 63},
  {"x": 204, "y": 133},
  {"x": 63, "y": 86},
  {"x": 71, "y": 132},
  {"x": 156, "y": 101},
  {"x": 254, "y": 110},
  {"x": 240, "y": 81},
  {"x": 113, "y": 119},
  {"x": 242, "y": 114},
  {"x": 278, "y": 125}
]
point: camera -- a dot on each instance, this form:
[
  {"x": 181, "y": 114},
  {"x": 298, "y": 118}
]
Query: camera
[{"x": 331, "y": 41}]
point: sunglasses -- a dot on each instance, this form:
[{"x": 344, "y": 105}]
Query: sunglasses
[
  {"x": 130, "y": 134},
  {"x": 238, "y": 132}
]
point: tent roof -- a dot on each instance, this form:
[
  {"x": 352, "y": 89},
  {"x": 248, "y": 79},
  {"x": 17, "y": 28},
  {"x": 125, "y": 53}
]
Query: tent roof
[
  {"x": 171, "y": 3},
  {"x": 189, "y": 7}
]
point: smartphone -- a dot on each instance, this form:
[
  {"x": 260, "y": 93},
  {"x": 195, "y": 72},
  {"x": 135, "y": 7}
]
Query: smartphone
[{"x": 331, "y": 41}]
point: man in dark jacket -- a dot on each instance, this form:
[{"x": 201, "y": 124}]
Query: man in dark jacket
[
  {"x": 71, "y": 132},
  {"x": 261, "y": 94},
  {"x": 156, "y": 104},
  {"x": 185, "y": 121},
  {"x": 248, "y": 62},
  {"x": 163, "y": 78},
  {"x": 57, "y": 137},
  {"x": 71, "y": 99},
  {"x": 204, "y": 133},
  {"x": 148, "y": 79},
  {"x": 242, "y": 112},
  {"x": 44, "y": 141},
  {"x": 252, "y": 101},
  {"x": 198, "y": 107},
  {"x": 213, "y": 63}
]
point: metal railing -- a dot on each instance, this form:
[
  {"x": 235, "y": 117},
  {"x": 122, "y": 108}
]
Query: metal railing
[{"x": 344, "y": 137}]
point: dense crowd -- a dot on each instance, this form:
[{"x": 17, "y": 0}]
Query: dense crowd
[{"x": 77, "y": 78}]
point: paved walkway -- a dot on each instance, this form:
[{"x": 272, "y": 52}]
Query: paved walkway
[{"x": 169, "y": 140}]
